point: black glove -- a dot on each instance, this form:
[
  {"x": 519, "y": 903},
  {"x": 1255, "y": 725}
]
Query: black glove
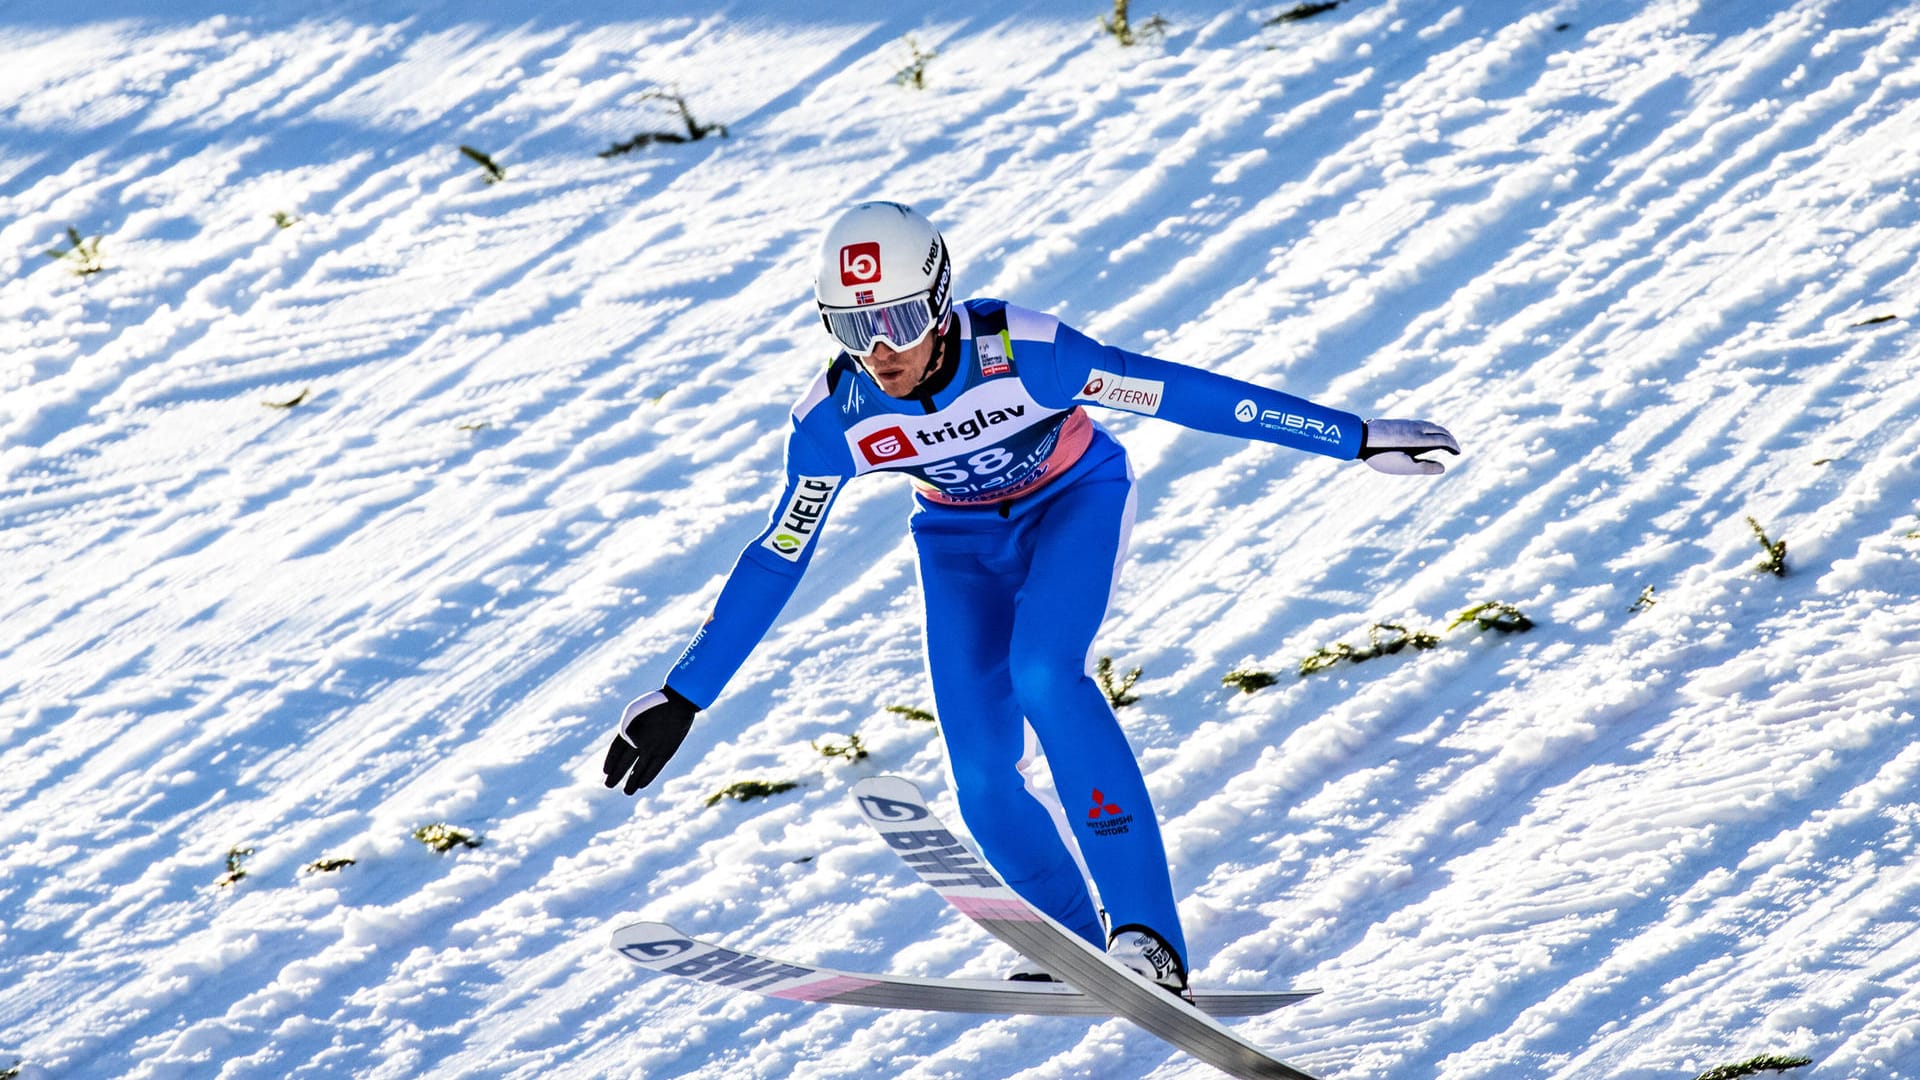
[
  {"x": 1395, "y": 446},
  {"x": 649, "y": 732}
]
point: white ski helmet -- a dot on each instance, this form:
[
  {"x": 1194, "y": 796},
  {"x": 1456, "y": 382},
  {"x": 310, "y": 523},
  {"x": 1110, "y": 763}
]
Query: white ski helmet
[{"x": 883, "y": 275}]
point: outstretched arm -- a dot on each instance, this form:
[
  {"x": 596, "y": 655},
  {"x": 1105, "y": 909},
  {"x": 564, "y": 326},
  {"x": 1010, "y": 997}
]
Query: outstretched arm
[
  {"x": 1096, "y": 374},
  {"x": 763, "y": 579}
]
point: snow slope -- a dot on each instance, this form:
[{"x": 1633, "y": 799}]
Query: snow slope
[{"x": 1633, "y": 254}]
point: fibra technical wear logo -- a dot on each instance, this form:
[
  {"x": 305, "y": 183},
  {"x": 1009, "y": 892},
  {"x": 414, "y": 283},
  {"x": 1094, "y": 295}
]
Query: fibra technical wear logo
[
  {"x": 887, "y": 444},
  {"x": 1292, "y": 423},
  {"x": 860, "y": 263}
]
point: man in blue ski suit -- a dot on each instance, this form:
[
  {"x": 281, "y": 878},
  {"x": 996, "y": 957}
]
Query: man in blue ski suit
[{"x": 1022, "y": 509}]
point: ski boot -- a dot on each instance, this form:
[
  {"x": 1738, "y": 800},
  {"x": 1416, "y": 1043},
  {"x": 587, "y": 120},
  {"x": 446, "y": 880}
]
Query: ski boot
[{"x": 1149, "y": 954}]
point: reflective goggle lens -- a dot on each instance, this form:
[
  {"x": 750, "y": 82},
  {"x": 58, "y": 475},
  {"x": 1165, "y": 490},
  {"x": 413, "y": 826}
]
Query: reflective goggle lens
[{"x": 900, "y": 324}]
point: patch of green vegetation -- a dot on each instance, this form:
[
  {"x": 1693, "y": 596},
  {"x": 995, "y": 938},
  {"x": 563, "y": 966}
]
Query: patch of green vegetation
[
  {"x": 914, "y": 75},
  {"x": 1383, "y": 639},
  {"x": 1302, "y": 11},
  {"x": 748, "y": 790},
  {"x": 1494, "y": 615},
  {"x": 81, "y": 255},
  {"x": 1775, "y": 562},
  {"x": 1120, "y": 26},
  {"x": 1765, "y": 1062},
  {"x": 852, "y": 749},
  {"x": 695, "y": 131},
  {"x": 1117, "y": 695},
  {"x": 1247, "y": 680},
  {"x": 443, "y": 837},
  {"x": 494, "y": 172},
  {"x": 235, "y": 871}
]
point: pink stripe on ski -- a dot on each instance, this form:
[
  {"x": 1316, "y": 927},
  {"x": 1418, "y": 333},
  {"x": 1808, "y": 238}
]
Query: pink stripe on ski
[
  {"x": 992, "y": 908},
  {"x": 825, "y": 989}
]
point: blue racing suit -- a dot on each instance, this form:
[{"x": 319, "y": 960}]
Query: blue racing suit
[{"x": 1023, "y": 505}]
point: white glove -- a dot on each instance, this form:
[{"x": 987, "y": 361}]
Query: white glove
[{"x": 1395, "y": 446}]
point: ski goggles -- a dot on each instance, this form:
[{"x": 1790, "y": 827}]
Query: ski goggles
[{"x": 902, "y": 324}]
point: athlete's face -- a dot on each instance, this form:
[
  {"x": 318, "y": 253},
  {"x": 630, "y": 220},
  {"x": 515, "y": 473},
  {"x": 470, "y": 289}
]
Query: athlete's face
[{"x": 899, "y": 371}]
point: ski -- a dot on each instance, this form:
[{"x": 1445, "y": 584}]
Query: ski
[
  {"x": 901, "y": 814},
  {"x": 662, "y": 948}
]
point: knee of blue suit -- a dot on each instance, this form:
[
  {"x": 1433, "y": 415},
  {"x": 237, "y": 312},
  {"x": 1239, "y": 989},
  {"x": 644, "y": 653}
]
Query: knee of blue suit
[{"x": 1046, "y": 679}]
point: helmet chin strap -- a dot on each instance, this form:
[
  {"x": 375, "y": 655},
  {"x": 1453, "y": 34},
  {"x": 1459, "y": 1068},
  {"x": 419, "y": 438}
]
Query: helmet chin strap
[{"x": 938, "y": 354}]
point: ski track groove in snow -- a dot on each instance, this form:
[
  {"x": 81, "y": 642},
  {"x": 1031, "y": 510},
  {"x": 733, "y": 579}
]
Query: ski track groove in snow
[{"x": 1626, "y": 252}]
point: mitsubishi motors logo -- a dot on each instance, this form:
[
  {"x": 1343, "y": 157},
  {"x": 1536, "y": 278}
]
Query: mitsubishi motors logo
[
  {"x": 1106, "y": 818},
  {"x": 887, "y": 444},
  {"x": 1102, "y": 806},
  {"x": 860, "y": 263}
]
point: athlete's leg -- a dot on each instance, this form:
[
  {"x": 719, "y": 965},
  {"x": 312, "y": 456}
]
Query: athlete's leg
[
  {"x": 969, "y": 621},
  {"x": 1076, "y": 545}
]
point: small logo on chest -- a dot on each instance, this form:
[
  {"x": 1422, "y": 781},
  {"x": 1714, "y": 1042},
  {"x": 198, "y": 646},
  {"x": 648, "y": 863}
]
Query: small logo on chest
[
  {"x": 887, "y": 444},
  {"x": 993, "y": 355}
]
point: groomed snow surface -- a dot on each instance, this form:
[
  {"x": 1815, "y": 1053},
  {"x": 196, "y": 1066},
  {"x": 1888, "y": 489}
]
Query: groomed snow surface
[{"x": 1652, "y": 262}]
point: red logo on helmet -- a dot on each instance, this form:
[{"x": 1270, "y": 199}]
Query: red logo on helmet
[
  {"x": 887, "y": 444},
  {"x": 860, "y": 264},
  {"x": 1092, "y": 389}
]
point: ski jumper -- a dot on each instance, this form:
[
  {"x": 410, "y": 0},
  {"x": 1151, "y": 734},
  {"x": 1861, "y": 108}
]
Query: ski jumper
[{"x": 1023, "y": 506}]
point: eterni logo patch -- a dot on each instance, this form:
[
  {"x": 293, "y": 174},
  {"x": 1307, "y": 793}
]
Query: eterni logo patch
[{"x": 1119, "y": 392}]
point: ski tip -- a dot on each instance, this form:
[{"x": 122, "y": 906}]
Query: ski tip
[
  {"x": 888, "y": 785},
  {"x": 644, "y": 931},
  {"x": 889, "y": 800}
]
